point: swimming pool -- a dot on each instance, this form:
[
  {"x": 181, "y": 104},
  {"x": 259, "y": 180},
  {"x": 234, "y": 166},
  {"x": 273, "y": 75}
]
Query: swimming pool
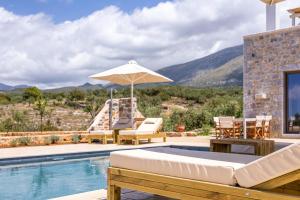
[{"x": 53, "y": 179}]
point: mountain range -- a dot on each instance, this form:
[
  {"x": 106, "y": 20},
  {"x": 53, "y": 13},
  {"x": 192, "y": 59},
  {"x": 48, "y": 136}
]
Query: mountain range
[
  {"x": 223, "y": 68},
  {"x": 4, "y": 87}
]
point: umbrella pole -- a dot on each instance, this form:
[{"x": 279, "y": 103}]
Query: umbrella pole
[
  {"x": 132, "y": 113},
  {"x": 110, "y": 108}
]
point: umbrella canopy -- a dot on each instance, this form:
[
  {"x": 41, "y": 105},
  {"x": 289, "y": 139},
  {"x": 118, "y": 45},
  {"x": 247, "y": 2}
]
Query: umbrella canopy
[{"x": 130, "y": 74}]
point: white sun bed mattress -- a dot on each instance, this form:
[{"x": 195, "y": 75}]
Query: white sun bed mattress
[
  {"x": 101, "y": 132},
  {"x": 196, "y": 165},
  {"x": 269, "y": 167}
]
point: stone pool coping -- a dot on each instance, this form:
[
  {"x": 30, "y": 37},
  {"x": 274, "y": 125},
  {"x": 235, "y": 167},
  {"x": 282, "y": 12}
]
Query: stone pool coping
[{"x": 87, "y": 154}]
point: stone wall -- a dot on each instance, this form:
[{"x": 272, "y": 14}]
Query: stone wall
[{"x": 267, "y": 57}]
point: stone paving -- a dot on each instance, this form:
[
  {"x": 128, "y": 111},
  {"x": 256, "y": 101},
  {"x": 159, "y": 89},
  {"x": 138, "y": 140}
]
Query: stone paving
[{"x": 79, "y": 148}]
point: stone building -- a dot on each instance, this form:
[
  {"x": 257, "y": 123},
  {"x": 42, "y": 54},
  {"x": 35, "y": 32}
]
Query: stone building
[{"x": 272, "y": 79}]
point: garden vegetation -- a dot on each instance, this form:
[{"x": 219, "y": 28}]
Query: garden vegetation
[{"x": 197, "y": 108}]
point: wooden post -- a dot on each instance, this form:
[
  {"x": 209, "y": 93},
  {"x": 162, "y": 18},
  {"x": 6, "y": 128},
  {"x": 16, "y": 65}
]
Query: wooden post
[
  {"x": 113, "y": 192},
  {"x": 136, "y": 141},
  {"x": 104, "y": 139},
  {"x": 165, "y": 139}
]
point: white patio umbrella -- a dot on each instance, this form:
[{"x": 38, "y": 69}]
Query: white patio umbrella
[{"x": 130, "y": 74}]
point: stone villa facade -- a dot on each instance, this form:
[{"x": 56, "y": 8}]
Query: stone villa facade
[{"x": 268, "y": 57}]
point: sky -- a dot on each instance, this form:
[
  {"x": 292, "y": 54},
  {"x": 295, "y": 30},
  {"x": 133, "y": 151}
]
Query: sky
[{"x": 55, "y": 43}]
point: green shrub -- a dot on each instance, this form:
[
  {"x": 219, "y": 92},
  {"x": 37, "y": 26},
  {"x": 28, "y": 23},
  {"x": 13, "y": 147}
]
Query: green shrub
[
  {"x": 54, "y": 139},
  {"x": 152, "y": 111},
  {"x": 168, "y": 125},
  {"x": 13, "y": 143},
  {"x": 47, "y": 140},
  {"x": 24, "y": 141},
  {"x": 76, "y": 138},
  {"x": 206, "y": 129}
]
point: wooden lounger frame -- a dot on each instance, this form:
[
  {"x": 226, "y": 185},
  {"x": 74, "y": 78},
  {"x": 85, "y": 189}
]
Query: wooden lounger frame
[
  {"x": 137, "y": 137},
  {"x": 286, "y": 187},
  {"x": 103, "y": 137}
]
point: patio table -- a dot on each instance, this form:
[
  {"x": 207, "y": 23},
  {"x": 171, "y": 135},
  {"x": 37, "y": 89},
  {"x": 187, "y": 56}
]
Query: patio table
[{"x": 261, "y": 147}]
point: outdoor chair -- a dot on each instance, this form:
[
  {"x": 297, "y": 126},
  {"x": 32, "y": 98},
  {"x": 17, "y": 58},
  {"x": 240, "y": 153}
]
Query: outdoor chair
[
  {"x": 259, "y": 128},
  {"x": 217, "y": 127},
  {"x": 103, "y": 135},
  {"x": 150, "y": 128},
  {"x": 263, "y": 127},
  {"x": 187, "y": 174},
  {"x": 228, "y": 127}
]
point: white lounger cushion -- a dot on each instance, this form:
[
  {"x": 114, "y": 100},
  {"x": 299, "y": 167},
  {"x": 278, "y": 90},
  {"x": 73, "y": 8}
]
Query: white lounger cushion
[
  {"x": 188, "y": 164},
  {"x": 102, "y": 132},
  {"x": 135, "y": 132},
  {"x": 269, "y": 167},
  {"x": 149, "y": 126}
]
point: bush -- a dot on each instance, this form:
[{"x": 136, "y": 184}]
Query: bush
[
  {"x": 168, "y": 126},
  {"x": 76, "y": 95},
  {"x": 13, "y": 143},
  {"x": 54, "y": 139},
  {"x": 47, "y": 140},
  {"x": 152, "y": 111},
  {"x": 76, "y": 138},
  {"x": 206, "y": 129},
  {"x": 24, "y": 141},
  {"x": 4, "y": 99}
]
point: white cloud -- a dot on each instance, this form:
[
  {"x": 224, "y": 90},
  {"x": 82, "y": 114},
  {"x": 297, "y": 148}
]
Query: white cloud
[{"x": 35, "y": 50}]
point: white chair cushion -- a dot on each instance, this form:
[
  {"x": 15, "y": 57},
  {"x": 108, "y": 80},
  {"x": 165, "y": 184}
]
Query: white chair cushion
[
  {"x": 269, "y": 167},
  {"x": 149, "y": 126},
  {"x": 101, "y": 132},
  {"x": 135, "y": 132},
  {"x": 196, "y": 165}
]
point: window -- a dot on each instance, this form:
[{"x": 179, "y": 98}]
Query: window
[{"x": 293, "y": 103}]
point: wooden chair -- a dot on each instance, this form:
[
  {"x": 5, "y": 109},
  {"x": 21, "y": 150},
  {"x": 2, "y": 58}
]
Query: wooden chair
[
  {"x": 260, "y": 129},
  {"x": 263, "y": 126},
  {"x": 228, "y": 127},
  {"x": 150, "y": 128},
  {"x": 102, "y": 135},
  {"x": 217, "y": 127},
  {"x": 268, "y": 127}
]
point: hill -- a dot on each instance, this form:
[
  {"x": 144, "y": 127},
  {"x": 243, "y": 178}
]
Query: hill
[
  {"x": 84, "y": 87},
  {"x": 222, "y": 68},
  {"x": 4, "y": 87}
]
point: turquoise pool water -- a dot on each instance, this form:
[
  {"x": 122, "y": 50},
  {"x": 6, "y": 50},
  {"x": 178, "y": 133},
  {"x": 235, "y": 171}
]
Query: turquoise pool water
[{"x": 49, "y": 180}]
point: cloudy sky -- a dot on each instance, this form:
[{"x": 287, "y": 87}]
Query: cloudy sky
[{"x": 51, "y": 43}]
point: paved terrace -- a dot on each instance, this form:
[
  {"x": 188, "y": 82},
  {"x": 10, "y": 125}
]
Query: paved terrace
[
  {"x": 201, "y": 141},
  {"x": 95, "y": 147}
]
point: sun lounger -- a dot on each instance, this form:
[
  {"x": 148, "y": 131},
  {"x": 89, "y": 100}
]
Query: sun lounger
[
  {"x": 103, "y": 135},
  {"x": 184, "y": 174},
  {"x": 147, "y": 130}
]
